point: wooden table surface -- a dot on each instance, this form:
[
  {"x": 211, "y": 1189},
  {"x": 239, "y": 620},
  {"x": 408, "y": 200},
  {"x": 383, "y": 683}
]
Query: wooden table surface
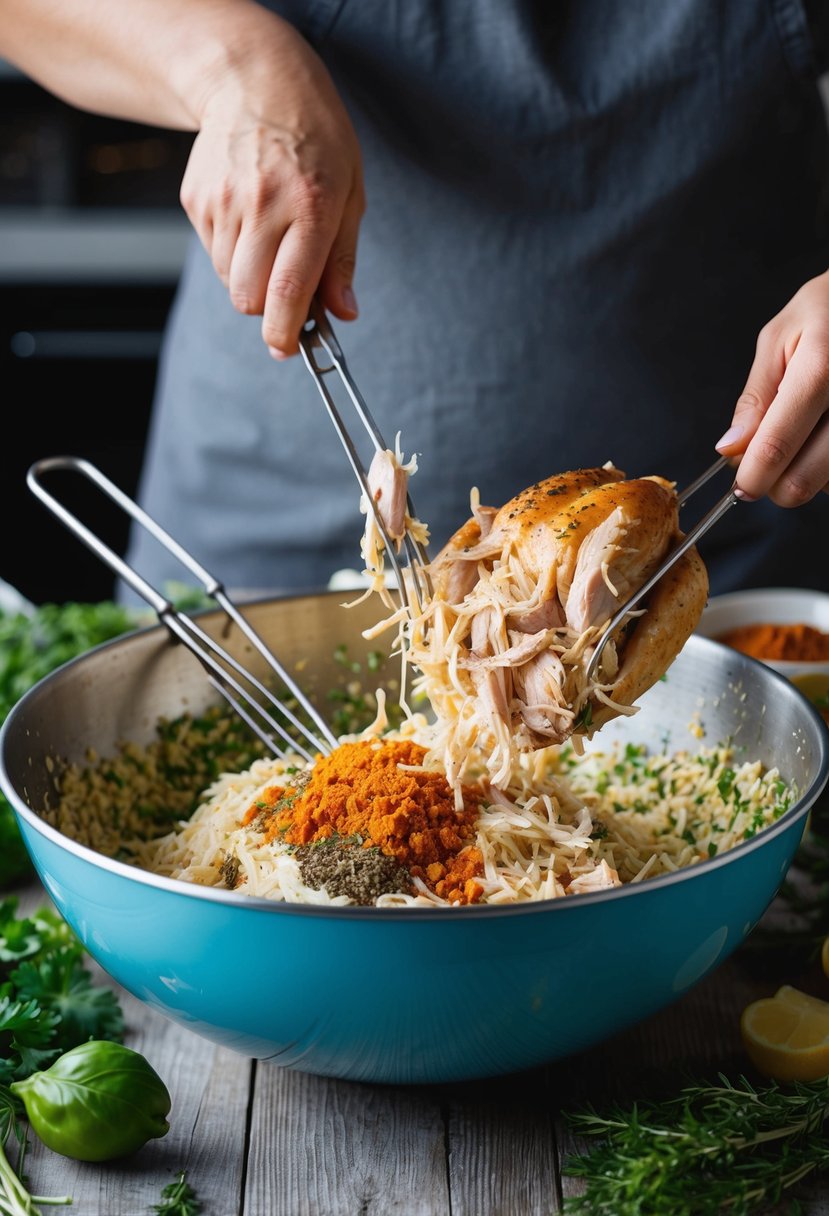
[{"x": 260, "y": 1140}]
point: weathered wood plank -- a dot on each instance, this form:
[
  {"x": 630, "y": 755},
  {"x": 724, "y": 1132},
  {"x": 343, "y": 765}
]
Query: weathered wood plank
[
  {"x": 502, "y": 1148},
  {"x": 321, "y": 1147}
]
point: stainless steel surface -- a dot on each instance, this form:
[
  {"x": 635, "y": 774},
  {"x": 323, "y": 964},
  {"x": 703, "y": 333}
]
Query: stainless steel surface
[
  {"x": 317, "y": 335},
  {"x": 214, "y": 658},
  {"x": 120, "y": 691},
  {"x": 86, "y": 198},
  {"x": 716, "y": 513}
]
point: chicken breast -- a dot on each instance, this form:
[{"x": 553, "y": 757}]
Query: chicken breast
[
  {"x": 389, "y": 485},
  {"x": 524, "y": 522},
  {"x": 673, "y": 610},
  {"x": 452, "y": 577},
  {"x": 608, "y": 543},
  {"x": 521, "y": 596}
]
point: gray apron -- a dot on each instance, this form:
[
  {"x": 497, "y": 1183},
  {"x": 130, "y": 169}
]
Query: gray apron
[{"x": 579, "y": 217}]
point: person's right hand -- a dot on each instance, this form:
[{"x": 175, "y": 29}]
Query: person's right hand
[{"x": 274, "y": 185}]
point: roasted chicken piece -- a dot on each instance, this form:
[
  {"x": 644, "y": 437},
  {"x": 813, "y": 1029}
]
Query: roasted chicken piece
[
  {"x": 525, "y": 520},
  {"x": 673, "y": 610},
  {"x": 525, "y": 591},
  {"x": 608, "y": 542}
]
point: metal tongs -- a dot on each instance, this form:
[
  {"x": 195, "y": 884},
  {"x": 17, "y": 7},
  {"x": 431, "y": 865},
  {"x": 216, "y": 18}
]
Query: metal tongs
[
  {"x": 317, "y": 336},
  {"x": 222, "y": 669},
  {"x": 716, "y": 513}
]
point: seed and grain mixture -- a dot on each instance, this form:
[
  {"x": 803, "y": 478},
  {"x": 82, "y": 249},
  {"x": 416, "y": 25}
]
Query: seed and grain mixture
[{"x": 377, "y": 823}]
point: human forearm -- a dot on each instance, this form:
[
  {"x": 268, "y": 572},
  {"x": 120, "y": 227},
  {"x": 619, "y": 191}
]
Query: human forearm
[
  {"x": 151, "y": 61},
  {"x": 273, "y": 184}
]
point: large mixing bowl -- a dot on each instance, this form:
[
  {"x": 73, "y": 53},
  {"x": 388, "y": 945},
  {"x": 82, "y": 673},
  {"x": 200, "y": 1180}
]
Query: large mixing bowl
[{"x": 407, "y": 994}]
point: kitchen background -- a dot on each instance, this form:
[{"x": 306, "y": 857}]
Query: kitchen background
[{"x": 92, "y": 239}]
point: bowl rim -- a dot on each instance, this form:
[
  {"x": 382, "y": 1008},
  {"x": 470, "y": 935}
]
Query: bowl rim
[
  {"x": 776, "y": 592},
  {"x": 255, "y": 903}
]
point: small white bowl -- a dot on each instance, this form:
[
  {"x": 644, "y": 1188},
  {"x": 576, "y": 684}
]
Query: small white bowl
[{"x": 774, "y": 606}]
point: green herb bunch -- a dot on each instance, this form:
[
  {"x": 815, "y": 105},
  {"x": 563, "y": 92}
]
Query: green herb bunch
[
  {"x": 713, "y": 1149},
  {"x": 32, "y": 646},
  {"x": 48, "y": 1004}
]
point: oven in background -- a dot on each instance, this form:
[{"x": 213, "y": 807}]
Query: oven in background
[{"x": 92, "y": 239}]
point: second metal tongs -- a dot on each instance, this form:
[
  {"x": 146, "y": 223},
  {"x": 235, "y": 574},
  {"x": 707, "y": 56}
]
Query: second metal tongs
[
  {"x": 259, "y": 706},
  {"x": 716, "y": 513}
]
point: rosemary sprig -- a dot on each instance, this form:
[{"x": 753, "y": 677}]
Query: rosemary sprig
[{"x": 714, "y": 1149}]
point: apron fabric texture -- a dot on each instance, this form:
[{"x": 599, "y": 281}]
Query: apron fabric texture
[{"x": 579, "y": 216}]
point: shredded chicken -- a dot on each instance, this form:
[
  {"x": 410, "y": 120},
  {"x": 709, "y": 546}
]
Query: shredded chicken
[
  {"x": 388, "y": 481},
  {"x": 522, "y": 594}
]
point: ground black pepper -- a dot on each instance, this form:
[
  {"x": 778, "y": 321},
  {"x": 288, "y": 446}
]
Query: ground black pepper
[
  {"x": 349, "y": 869},
  {"x": 229, "y": 870}
]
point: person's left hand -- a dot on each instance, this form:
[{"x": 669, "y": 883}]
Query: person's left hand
[{"x": 779, "y": 435}]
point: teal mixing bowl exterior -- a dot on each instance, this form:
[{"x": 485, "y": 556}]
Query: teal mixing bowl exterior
[
  {"x": 409, "y": 995},
  {"x": 393, "y": 997}
]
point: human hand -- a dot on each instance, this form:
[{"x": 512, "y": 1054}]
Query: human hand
[
  {"x": 274, "y": 185},
  {"x": 780, "y": 430}
]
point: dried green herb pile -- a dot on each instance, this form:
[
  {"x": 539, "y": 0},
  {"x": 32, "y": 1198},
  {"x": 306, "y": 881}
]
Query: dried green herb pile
[{"x": 32, "y": 646}]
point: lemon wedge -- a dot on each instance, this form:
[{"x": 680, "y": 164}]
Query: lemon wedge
[
  {"x": 787, "y": 1036},
  {"x": 815, "y": 686}
]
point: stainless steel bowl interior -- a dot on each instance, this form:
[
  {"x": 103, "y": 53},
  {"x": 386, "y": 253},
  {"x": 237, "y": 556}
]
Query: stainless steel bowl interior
[{"x": 119, "y": 691}]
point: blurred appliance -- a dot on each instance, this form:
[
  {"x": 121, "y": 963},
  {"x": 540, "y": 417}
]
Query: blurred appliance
[{"x": 92, "y": 239}]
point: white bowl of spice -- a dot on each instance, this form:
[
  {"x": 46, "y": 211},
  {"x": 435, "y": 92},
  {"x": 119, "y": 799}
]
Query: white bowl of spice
[{"x": 786, "y": 628}]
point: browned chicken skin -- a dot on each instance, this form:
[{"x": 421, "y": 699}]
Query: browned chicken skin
[
  {"x": 527, "y": 516},
  {"x": 674, "y": 608},
  {"x": 588, "y": 539},
  {"x": 609, "y": 542}
]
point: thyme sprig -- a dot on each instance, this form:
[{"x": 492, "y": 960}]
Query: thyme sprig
[{"x": 728, "y": 1148}]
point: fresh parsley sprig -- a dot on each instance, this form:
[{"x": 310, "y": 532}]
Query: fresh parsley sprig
[
  {"x": 728, "y": 1148},
  {"x": 178, "y": 1198},
  {"x": 48, "y": 1002}
]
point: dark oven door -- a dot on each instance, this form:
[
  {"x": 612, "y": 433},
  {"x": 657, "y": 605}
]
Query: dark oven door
[
  {"x": 92, "y": 239},
  {"x": 78, "y": 368}
]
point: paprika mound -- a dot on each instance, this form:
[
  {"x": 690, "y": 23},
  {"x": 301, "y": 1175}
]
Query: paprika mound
[
  {"x": 794, "y": 643},
  {"x": 377, "y": 792}
]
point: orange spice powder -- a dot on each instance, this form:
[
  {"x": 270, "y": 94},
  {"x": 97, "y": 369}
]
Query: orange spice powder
[
  {"x": 266, "y": 802},
  {"x": 791, "y": 643},
  {"x": 360, "y": 789}
]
